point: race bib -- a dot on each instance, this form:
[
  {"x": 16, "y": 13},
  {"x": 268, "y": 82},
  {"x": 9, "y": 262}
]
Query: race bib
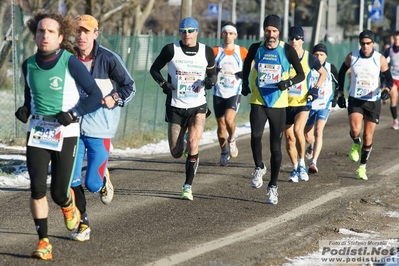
[
  {"x": 46, "y": 135},
  {"x": 188, "y": 86},
  {"x": 227, "y": 80},
  {"x": 268, "y": 74},
  {"x": 364, "y": 85}
]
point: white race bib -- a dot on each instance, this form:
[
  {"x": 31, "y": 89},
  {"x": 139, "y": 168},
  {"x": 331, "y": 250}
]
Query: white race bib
[{"x": 45, "y": 135}]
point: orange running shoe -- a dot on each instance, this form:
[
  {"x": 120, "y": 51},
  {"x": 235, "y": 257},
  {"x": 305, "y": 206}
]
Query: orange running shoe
[
  {"x": 71, "y": 214},
  {"x": 43, "y": 250}
]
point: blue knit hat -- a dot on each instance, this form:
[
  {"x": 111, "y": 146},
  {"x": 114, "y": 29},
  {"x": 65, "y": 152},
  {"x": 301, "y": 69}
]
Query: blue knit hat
[
  {"x": 189, "y": 23},
  {"x": 296, "y": 32}
]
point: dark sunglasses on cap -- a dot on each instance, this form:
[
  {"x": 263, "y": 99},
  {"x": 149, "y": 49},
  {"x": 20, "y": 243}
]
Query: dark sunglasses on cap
[
  {"x": 365, "y": 43},
  {"x": 187, "y": 30},
  {"x": 296, "y": 38}
]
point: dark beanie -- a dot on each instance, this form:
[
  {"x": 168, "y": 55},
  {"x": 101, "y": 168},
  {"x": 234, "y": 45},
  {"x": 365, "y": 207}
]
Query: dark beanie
[
  {"x": 296, "y": 32},
  {"x": 320, "y": 48},
  {"x": 272, "y": 20},
  {"x": 366, "y": 34}
]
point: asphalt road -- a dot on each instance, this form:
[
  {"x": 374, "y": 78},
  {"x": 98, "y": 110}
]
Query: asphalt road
[{"x": 228, "y": 222}]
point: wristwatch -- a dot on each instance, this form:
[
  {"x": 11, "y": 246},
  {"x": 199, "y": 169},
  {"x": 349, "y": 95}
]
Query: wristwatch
[
  {"x": 74, "y": 115},
  {"x": 161, "y": 83},
  {"x": 115, "y": 96}
]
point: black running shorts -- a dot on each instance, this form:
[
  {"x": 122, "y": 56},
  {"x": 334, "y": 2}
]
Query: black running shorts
[
  {"x": 369, "y": 109},
  {"x": 181, "y": 116}
]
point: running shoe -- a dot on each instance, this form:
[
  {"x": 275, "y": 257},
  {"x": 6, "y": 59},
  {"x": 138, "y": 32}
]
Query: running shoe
[
  {"x": 309, "y": 152},
  {"x": 224, "y": 159},
  {"x": 107, "y": 191},
  {"x": 257, "y": 177},
  {"x": 303, "y": 173},
  {"x": 233, "y": 149},
  {"x": 43, "y": 251},
  {"x": 313, "y": 168},
  {"x": 354, "y": 152},
  {"x": 272, "y": 195},
  {"x": 82, "y": 234},
  {"x": 395, "y": 124},
  {"x": 186, "y": 193},
  {"x": 294, "y": 176},
  {"x": 71, "y": 214},
  {"x": 361, "y": 172}
]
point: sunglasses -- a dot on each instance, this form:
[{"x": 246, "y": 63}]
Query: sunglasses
[
  {"x": 187, "y": 30},
  {"x": 295, "y": 38},
  {"x": 365, "y": 43}
]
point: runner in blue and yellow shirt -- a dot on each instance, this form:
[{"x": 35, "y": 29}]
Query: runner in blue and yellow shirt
[{"x": 269, "y": 81}]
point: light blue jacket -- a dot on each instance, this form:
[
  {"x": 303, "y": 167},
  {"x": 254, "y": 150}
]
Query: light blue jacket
[{"x": 107, "y": 68}]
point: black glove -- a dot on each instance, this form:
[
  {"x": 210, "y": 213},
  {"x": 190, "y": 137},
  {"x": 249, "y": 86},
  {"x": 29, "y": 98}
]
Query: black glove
[
  {"x": 22, "y": 114},
  {"x": 245, "y": 90},
  {"x": 313, "y": 94},
  {"x": 284, "y": 84},
  {"x": 239, "y": 74},
  {"x": 341, "y": 101},
  {"x": 65, "y": 118},
  {"x": 385, "y": 95},
  {"x": 208, "y": 83},
  {"x": 167, "y": 88}
]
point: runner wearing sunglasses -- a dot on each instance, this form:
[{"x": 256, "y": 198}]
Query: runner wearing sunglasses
[
  {"x": 191, "y": 71},
  {"x": 364, "y": 102}
]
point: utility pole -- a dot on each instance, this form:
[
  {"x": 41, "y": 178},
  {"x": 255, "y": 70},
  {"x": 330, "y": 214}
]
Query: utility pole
[
  {"x": 185, "y": 10},
  {"x": 262, "y": 17},
  {"x": 220, "y": 19},
  {"x": 361, "y": 15},
  {"x": 286, "y": 14},
  {"x": 233, "y": 11},
  {"x": 316, "y": 23}
]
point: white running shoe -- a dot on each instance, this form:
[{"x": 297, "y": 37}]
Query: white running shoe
[
  {"x": 82, "y": 234},
  {"x": 257, "y": 177},
  {"x": 233, "y": 149},
  {"x": 294, "y": 176},
  {"x": 303, "y": 173},
  {"x": 395, "y": 124},
  {"x": 272, "y": 195},
  {"x": 107, "y": 192}
]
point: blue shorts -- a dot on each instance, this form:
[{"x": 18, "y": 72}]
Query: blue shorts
[
  {"x": 315, "y": 115},
  {"x": 220, "y": 105}
]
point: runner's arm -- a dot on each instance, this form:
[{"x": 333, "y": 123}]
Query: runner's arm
[
  {"x": 292, "y": 57},
  {"x": 163, "y": 58}
]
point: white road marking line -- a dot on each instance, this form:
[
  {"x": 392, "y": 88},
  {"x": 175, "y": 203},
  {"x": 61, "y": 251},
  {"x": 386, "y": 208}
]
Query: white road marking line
[{"x": 250, "y": 232}]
